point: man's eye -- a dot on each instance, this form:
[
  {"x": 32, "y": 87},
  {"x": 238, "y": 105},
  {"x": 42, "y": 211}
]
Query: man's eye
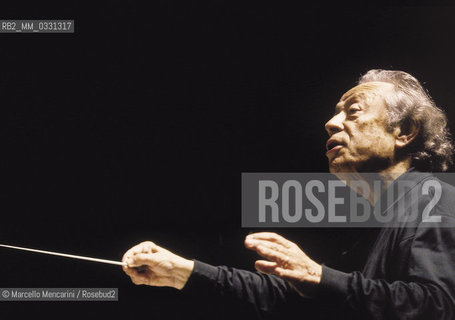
[{"x": 353, "y": 109}]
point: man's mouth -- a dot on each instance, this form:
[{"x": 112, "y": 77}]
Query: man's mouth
[{"x": 333, "y": 145}]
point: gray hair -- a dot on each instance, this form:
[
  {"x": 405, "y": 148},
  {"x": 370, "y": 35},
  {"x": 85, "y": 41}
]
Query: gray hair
[{"x": 432, "y": 149}]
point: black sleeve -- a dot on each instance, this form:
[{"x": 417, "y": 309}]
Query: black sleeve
[
  {"x": 428, "y": 292},
  {"x": 264, "y": 293}
]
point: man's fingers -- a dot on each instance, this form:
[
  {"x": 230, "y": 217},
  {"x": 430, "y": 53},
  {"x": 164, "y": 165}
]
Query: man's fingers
[
  {"x": 289, "y": 275},
  {"x": 269, "y": 267},
  {"x": 127, "y": 270},
  {"x": 139, "y": 279},
  {"x": 140, "y": 259},
  {"x": 148, "y": 246},
  {"x": 270, "y": 236},
  {"x": 264, "y": 266},
  {"x": 272, "y": 255},
  {"x": 252, "y": 244},
  {"x": 143, "y": 247},
  {"x": 132, "y": 272}
]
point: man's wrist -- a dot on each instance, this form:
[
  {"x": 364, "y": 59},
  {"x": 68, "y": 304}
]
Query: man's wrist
[
  {"x": 315, "y": 273},
  {"x": 182, "y": 273}
]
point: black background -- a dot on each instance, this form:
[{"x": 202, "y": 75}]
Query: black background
[{"x": 139, "y": 125}]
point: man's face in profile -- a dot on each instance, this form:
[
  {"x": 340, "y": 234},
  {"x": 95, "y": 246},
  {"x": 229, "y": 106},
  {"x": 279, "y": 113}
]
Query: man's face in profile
[{"x": 359, "y": 140}]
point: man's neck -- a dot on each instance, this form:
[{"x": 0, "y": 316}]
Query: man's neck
[{"x": 384, "y": 177}]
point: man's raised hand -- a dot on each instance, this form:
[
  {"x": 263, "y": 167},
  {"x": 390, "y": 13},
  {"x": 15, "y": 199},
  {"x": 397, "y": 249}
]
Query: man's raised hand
[{"x": 153, "y": 265}]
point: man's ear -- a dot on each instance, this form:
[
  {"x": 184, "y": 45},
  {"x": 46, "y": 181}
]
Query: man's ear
[{"x": 406, "y": 133}]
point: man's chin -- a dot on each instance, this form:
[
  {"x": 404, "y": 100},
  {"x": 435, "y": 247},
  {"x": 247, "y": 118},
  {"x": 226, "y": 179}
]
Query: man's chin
[
  {"x": 338, "y": 166},
  {"x": 341, "y": 165}
]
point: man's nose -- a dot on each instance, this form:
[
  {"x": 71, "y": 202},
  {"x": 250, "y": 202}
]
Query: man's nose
[{"x": 335, "y": 124}]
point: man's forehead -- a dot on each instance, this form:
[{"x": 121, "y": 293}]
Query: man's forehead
[{"x": 367, "y": 89}]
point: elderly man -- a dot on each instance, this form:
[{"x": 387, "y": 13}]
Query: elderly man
[{"x": 387, "y": 125}]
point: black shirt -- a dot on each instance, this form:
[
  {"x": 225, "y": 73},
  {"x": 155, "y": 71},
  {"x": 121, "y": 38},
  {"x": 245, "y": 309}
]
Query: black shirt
[{"x": 409, "y": 272}]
